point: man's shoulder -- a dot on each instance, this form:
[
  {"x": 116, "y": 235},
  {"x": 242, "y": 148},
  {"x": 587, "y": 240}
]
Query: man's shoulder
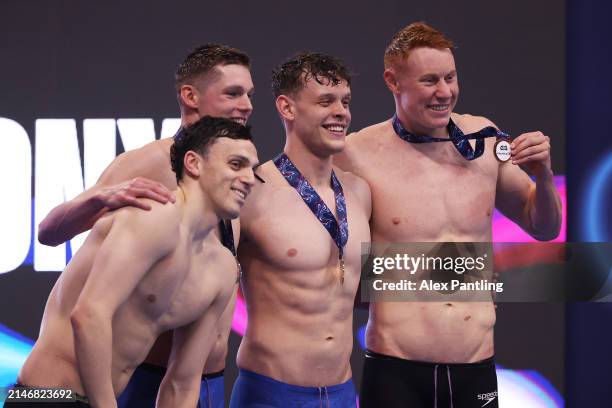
[
  {"x": 471, "y": 123},
  {"x": 147, "y": 161},
  {"x": 161, "y": 218},
  {"x": 353, "y": 182},
  {"x": 370, "y": 132}
]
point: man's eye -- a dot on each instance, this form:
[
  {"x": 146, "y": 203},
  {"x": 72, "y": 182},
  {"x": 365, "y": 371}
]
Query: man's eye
[
  {"x": 324, "y": 103},
  {"x": 235, "y": 165}
]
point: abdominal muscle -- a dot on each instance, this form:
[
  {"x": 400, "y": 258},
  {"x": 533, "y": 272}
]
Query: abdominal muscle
[
  {"x": 432, "y": 331},
  {"x": 299, "y": 335},
  {"x": 441, "y": 332}
]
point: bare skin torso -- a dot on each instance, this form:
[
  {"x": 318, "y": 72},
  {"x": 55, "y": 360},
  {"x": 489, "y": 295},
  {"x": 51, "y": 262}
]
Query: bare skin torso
[
  {"x": 153, "y": 161},
  {"x": 300, "y": 314},
  {"x": 427, "y": 193},
  {"x": 175, "y": 291}
]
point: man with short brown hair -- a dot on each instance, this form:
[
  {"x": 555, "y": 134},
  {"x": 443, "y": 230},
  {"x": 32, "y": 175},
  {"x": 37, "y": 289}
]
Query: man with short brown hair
[{"x": 212, "y": 80}]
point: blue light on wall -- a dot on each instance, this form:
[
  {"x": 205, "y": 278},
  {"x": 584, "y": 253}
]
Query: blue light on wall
[{"x": 595, "y": 202}]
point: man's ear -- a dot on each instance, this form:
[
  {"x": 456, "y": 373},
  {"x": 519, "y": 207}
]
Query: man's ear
[
  {"x": 390, "y": 78},
  {"x": 189, "y": 96},
  {"x": 192, "y": 164},
  {"x": 285, "y": 107}
]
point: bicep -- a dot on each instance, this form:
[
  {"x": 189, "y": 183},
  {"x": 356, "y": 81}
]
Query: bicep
[{"x": 514, "y": 190}]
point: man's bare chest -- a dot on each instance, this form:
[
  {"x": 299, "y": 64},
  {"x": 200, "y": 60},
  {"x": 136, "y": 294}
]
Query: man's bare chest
[
  {"x": 288, "y": 235},
  {"x": 427, "y": 192},
  {"x": 178, "y": 290}
]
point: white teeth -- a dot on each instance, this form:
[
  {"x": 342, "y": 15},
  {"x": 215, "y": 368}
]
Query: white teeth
[
  {"x": 242, "y": 121},
  {"x": 335, "y": 128},
  {"x": 438, "y": 107},
  {"x": 240, "y": 193}
]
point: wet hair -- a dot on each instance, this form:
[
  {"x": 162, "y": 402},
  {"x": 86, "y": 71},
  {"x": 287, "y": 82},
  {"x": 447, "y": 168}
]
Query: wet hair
[
  {"x": 200, "y": 136},
  {"x": 291, "y": 76},
  {"x": 414, "y": 36},
  {"x": 202, "y": 60}
]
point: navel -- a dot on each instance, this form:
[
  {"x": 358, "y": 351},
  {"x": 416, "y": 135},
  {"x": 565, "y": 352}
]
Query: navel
[
  {"x": 329, "y": 338},
  {"x": 151, "y": 298},
  {"x": 466, "y": 318},
  {"x": 292, "y": 252},
  {"x": 396, "y": 220},
  {"x": 449, "y": 304}
]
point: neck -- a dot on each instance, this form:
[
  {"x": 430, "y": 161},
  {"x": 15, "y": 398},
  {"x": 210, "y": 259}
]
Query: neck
[
  {"x": 315, "y": 168},
  {"x": 198, "y": 214},
  {"x": 189, "y": 117},
  {"x": 417, "y": 130}
]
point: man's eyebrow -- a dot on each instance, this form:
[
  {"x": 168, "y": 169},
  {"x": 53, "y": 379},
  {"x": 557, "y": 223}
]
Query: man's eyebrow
[
  {"x": 333, "y": 96},
  {"x": 239, "y": 157},
  {"x": 429, "y": 75},
  {"x": 235, "y": 88}
]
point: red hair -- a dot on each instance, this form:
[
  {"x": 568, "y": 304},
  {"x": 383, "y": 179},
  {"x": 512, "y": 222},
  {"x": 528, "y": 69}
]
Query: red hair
[{"x": 414, "y": 36}]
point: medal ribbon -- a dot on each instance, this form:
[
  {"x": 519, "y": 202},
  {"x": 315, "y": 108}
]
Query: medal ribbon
[
  {"x": 460, "y": 140},
  {"x": 227, "y": 235},
  {"x": 338, "y": 229}
]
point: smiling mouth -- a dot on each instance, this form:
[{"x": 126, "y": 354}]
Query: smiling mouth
[
  {"x": 242, "y": 121},
  {"x": 240, "y": 193},
  {"x": 438, "y": 108},
  {"x": 335, "y": 128}
]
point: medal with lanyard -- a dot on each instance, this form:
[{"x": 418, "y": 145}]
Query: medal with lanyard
[
  {"x": 337, "y": 228},
  {"x": 460, "y": 140}
]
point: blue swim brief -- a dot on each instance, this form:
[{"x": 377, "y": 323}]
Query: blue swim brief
[
  {"x": 252, "y": 390},
  {"x": 141, "y": 391}
]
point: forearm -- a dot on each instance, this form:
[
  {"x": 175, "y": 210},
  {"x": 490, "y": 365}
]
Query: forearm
[
  {"x": 93, "y": 349},
  {"x": 545, "y": 212},
  {"x": 173, "y": 394},
  {"x": 70, "y": 218}
]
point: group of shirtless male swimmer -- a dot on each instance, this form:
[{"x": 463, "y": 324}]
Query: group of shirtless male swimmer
[{"x": 299, "y": 287}]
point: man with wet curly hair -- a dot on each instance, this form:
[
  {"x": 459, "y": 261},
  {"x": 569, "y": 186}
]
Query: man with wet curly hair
[
  {"x": 140, "y": 273},
  {"x": 212, "y": 80},
  {"x": 299, "y": 287}
]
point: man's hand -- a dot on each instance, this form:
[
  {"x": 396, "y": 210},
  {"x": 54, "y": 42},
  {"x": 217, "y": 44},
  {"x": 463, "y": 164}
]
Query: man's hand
[
  {"x": 532, "y": 150},
  {"x": 129, "y": 192}
]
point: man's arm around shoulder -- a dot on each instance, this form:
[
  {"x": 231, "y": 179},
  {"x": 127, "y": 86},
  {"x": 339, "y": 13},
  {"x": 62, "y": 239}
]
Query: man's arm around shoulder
[{"x": 122, "y": 184}]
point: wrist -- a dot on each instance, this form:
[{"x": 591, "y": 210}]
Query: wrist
[
  {"x": 98, "y": 201},
  {"x": 545, "y": 175}
]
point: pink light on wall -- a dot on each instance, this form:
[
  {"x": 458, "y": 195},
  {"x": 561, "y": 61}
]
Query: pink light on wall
[{"x": 505, "y": 230}]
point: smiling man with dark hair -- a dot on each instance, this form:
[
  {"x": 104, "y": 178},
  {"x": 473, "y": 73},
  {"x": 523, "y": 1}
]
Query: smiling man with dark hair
[
  {"x": 301, "y": 235},
  {"x": 141, "y": 273}
]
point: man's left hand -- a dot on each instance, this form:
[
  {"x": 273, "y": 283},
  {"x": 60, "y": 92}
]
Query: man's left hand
[{"x": 532, "y": 150}]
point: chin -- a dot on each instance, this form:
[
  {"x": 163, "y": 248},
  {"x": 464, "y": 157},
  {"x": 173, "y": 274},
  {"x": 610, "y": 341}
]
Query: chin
[
  {"x": 439, "y": 122},
  {"x": 231, "y": 213},
  {"x": 335, "y": 147}
]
